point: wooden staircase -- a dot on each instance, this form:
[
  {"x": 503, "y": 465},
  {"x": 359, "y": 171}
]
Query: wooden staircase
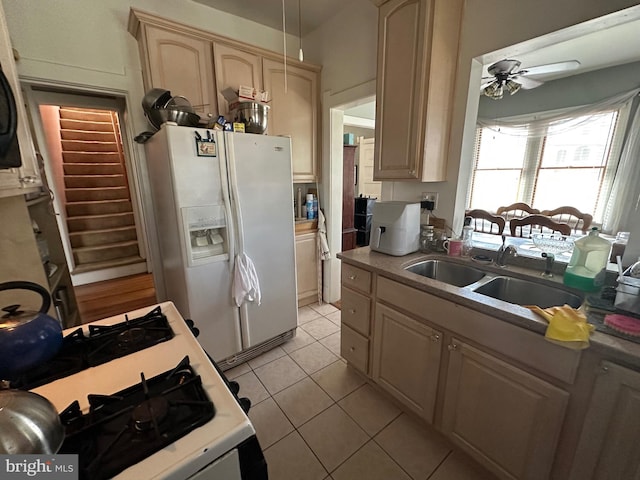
[{"x": 100, "y": 217}]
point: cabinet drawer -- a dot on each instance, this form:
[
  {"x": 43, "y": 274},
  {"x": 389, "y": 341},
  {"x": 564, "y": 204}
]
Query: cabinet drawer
[
  {"x": 354, "y": 348},
  {"x": 356, "y": 278},
  {"x": 356, "y": 311}
]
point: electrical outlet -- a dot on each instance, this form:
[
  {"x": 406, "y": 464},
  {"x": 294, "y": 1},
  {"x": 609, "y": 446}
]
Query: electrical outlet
[{"x": 431, "y": 196}]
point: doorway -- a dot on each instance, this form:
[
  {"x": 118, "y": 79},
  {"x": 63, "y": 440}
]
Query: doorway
[{"x": 88, "y": 170}]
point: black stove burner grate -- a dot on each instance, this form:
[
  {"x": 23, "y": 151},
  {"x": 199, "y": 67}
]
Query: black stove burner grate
[
  {"x": 122, "y": 429},
  {"x": 103, "y": 344}
]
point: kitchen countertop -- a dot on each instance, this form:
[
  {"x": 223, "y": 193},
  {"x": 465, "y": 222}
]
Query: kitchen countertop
[{"x": 392, "y": 267}]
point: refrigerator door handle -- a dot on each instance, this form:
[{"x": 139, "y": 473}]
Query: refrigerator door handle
[{"x": 224, "y": 174}]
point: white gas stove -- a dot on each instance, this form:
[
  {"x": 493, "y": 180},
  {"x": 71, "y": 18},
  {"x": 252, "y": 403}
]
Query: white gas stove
[{"x": 213, "y": 446}]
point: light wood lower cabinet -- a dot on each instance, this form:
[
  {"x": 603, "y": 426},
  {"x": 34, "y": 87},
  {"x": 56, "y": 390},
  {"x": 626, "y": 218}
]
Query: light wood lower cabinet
[
  {"x": 502, "y": 415},
  {"x": 307, "y": 268},
  {"x": 406, "y": 359},
  {"x": 609, "y": 447}
]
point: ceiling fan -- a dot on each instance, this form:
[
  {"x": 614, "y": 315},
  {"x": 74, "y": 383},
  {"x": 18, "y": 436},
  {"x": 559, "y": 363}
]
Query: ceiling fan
[{"x": 506, "y": 75}]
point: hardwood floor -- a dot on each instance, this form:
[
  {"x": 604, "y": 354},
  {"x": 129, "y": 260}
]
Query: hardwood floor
[{"x": 114, "y": 297}]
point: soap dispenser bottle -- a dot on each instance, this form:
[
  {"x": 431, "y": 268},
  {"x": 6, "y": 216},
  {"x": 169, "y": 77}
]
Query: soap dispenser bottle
[{"x": 587, "y": 267}]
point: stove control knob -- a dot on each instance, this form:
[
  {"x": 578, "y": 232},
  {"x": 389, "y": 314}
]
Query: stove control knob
[
  {"x": 234, "y": 387},
  {"x": 245, "y": 404}
]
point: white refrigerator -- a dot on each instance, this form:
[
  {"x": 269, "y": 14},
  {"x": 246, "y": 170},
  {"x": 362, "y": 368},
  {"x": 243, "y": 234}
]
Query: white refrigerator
[{"x": 217, "y": 195}]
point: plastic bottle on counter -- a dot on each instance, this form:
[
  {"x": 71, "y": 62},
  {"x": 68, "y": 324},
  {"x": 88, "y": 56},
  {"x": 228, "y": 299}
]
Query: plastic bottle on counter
[
  {"x": 587, "y": 267},
  {"x": 310, "y": 211},
  {"x": 426, "y": 238},
  {"x": 467, "y": 237}
]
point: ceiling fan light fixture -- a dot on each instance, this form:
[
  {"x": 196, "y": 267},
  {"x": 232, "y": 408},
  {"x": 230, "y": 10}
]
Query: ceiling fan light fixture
[
  {"x": 512, "y": 87},
  {"x": 494, "y": 90}
]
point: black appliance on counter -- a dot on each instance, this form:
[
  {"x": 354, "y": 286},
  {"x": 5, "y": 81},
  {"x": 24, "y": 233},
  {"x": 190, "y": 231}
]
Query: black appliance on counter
[
  {"x": 9, "y": 149},
  {"x": 362, "y": 219}
]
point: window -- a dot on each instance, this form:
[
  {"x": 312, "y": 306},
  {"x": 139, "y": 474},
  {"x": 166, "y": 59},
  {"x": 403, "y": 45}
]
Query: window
[{"x": 574, "y": 166}]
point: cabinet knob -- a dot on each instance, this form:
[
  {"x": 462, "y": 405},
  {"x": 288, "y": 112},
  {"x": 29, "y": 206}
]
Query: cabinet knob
[
  {"x": 604, "y": 369},
  {"x": 352, "y": 349},
  {"x": 352, "y": 311},
  {"x": 352, "y": 277},
  {"x": 28, "y": 179},
  {"x": 452, "y": 346},
  {"x": 412, "y": 172},
  {"x": 435, "y": 337}
]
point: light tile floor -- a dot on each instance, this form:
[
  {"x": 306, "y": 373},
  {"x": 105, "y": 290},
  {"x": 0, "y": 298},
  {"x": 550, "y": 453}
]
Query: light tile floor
[{"x": 316, "y": 418}]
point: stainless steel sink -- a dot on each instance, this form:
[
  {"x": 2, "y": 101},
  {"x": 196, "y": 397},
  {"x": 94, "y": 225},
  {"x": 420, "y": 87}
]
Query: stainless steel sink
[
  {"x": 524, "y": 292},
  {"x": 447, "y": 272}
]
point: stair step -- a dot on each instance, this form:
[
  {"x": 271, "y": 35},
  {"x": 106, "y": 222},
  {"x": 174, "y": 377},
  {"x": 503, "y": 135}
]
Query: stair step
[
  {"x": 83, "y": 135},
  {"x": 85, "y": 115},
  {"x": 102, "y": 207},
  {"x": 93, "y": 238},
  {"x": 93, "y": 168},
  {"x": 92, "y": 181},
  {"x": 101, "y": 265},
  {"x": 93, "y": 194},
  {"x": 69, "y": 124},
  {"x": 100, "y": 222},
  {"x": 89, "y": 157},
  {"x": 102, "y": 253},
  {"x": 81, "y": 146}
]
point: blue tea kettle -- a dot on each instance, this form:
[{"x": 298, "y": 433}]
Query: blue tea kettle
[{"x": 27, "y": 339}]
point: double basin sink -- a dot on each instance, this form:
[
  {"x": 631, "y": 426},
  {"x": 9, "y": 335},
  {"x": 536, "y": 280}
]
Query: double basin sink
[{"x": 501, "y": 287}]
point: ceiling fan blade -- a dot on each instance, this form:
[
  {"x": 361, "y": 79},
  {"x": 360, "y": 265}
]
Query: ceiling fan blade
[
  {"x": 527, "y": 83},
  {"x": 550, "y": 68},
  {"x": 487, "y": 83}
]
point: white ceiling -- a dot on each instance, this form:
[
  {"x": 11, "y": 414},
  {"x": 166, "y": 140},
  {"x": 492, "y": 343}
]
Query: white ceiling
[
  {"x": 269, "y": 12},
  {"x": 595, "y": 50}
]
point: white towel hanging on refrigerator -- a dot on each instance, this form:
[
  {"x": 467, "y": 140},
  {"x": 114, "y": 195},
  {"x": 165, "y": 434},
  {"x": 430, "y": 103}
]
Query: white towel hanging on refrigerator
[{"x": 246, "y": 286}]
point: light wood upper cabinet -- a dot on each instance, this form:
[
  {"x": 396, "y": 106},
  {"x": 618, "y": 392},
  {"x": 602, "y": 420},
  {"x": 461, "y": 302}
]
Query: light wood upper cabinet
[
  {"x": 609, "y": 447},
  {"x": 294, "y": 113},
  {"x": 417, "y": 56},
  {"x": 504, "y": 416},
  {"x": 235, "y": 67},
  {"x": 182, "y": 64},
  {"x": 406, "y": 359}
]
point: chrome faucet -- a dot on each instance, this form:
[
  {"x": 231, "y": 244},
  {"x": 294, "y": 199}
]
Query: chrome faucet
[
  {"x": 548, "y": 265},
  {"x": 505, "y": 251}
]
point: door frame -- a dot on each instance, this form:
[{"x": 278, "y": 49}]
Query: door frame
[
  {"x": 333, "y": 105},
  {"x": 36, "y": 94}
]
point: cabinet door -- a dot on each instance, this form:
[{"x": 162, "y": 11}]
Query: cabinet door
[
  {"x": 307, "y": 268},
  {"x": 294, "y": 113},
  {"x": 17, "y": 181},
  {"x": 182, "y": 64},
  {"x": 417, "y": 59},
  {"x": 609, "y": 447},
  {"x": 233, "y": 68},
  {"x": 406, "y": 359},
  {"x": 506, "y": 418}
]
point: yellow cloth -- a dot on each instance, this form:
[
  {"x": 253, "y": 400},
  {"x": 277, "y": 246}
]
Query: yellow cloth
[{"x": 567, "y": 326}]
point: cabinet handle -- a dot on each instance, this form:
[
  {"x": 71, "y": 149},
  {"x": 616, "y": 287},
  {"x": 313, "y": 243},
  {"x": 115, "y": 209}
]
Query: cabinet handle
[
  {"x": 604, "y": 369},
  {"x": 435, "y": 337},
  {"x": 352, "y": 311},
  {"x": 412, "y": 172},
  {"x": 452, "y": 346},
  {"x": 28, "y": 179},
  {"x": 352, "y": 277},
  {"x": 352, "y": 349}
]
